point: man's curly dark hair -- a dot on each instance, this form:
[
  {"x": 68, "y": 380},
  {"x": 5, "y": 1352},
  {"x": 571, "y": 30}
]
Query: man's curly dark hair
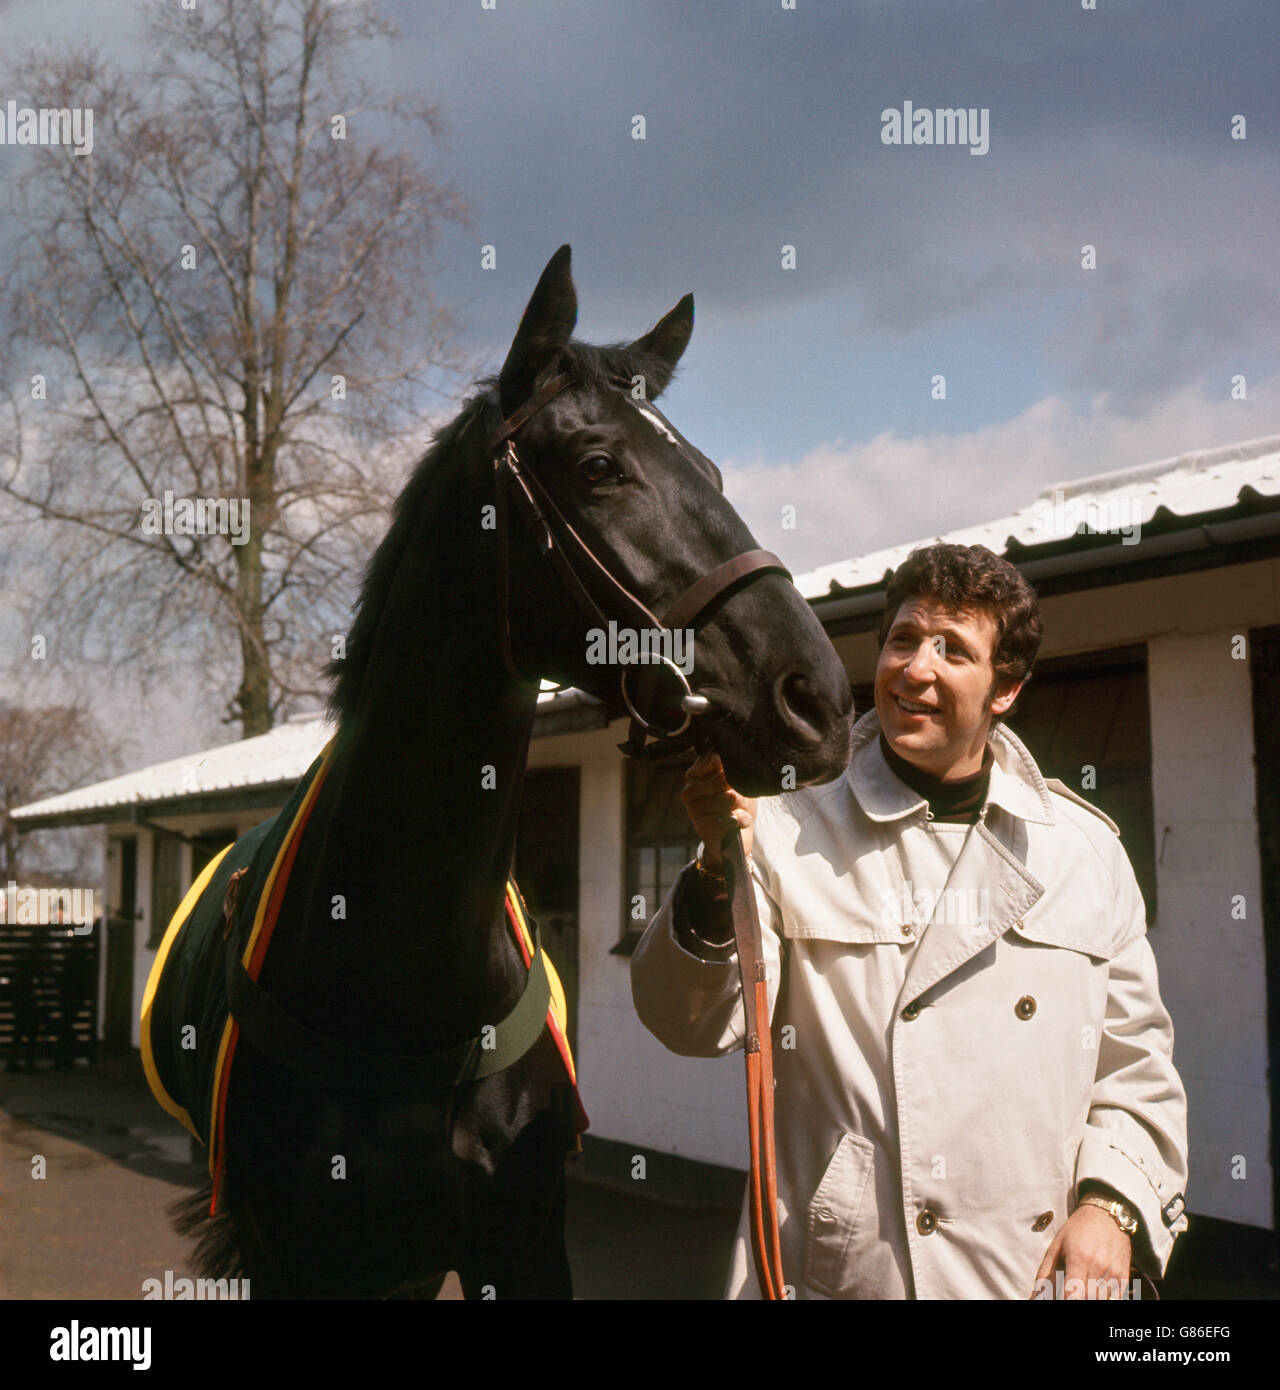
[{"x": 971, "y": 578}]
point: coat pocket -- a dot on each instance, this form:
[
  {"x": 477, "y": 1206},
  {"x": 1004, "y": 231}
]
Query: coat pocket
[{"x": 833, "y": 1216}]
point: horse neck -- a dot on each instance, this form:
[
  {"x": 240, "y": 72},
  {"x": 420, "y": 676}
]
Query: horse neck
[{"x": 414, "y": 827}]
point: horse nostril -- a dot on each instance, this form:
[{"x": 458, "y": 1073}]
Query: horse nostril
[{"x": 800, "y": 708}]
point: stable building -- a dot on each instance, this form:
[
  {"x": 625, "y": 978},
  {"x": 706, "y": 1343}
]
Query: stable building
[{"x": 1155, "y": 696}]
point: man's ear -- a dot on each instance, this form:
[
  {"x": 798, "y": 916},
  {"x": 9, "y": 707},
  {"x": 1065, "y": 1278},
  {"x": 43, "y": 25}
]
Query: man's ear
[{"x": 1002, "y": 703}]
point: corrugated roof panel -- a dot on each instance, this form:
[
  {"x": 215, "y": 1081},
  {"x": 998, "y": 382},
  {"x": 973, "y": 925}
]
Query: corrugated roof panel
[
  {"x": 280, "y": 756},
  {"x": 1207, "y": 481},
  {"x": 275, "y": 758}
]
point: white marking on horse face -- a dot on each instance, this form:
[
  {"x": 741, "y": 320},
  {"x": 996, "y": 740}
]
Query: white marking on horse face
[{"x": 659, "y": 424}]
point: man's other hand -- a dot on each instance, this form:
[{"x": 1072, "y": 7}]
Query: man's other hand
[{"x": 1091, "y": 1246}]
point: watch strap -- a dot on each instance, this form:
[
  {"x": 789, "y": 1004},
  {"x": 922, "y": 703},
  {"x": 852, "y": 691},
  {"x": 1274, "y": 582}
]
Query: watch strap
[{"x": 1120, "y": 1211}]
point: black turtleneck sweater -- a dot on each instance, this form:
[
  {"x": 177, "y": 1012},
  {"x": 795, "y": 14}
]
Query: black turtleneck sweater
[{"x": 950, "y": 801}]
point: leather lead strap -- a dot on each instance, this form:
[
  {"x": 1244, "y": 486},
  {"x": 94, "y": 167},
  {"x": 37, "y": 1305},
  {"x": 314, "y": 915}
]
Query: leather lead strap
[{"x": 766, "y": 1241}]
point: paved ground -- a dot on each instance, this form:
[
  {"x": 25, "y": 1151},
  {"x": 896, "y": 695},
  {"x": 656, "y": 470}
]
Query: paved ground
[{"x": 94, "y": 1227}]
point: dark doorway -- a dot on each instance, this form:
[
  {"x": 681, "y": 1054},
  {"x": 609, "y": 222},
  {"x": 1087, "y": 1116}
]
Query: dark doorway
[
  {"x": 546, "y": 868},
  {"x": 1086, "y": 720},
  {"x": 1264, "y": 648},
  {"x": 118, "y": 1014}
]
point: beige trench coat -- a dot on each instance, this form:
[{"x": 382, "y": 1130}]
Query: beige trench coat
[{"x": 966, "y": 1023}]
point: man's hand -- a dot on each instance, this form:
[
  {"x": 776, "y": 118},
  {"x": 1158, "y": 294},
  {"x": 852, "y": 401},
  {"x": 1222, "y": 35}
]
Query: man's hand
[
  {"x": 1091, "y": 1246},
  {"x": 713, "y": 807}
]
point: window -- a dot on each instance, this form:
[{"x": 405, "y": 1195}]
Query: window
[{"x": 660, "y": 842}]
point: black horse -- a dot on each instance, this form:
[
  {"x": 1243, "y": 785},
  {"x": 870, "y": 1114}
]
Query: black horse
[{"x": 461, "y": 612}]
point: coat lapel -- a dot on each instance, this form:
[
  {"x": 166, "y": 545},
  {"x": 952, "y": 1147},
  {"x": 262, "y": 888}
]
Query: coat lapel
[
  {"x": 990, "y": 871},
  {"x": 988, "y": 877}
]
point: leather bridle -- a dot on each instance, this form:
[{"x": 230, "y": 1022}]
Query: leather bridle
[
  {"x": 558, "y": 540},
  {"x": 581, "y": 571}
]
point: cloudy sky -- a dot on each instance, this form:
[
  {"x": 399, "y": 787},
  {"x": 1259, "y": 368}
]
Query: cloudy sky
[
  {"x": 1109, "y": 127},
  {"x": 811, "y": 386}
]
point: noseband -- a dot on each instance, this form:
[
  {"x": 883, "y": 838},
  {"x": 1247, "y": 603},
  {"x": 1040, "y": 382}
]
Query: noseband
[{"x": 570, "y": 554}]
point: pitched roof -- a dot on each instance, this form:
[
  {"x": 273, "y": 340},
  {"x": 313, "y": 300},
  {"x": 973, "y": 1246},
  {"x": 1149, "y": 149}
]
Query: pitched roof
[{"x": 276, "y": 759}]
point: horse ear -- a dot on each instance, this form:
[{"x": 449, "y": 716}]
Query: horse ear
[
  {"x": 663, "y": 346},
  {"x": 546, "y": 326}
]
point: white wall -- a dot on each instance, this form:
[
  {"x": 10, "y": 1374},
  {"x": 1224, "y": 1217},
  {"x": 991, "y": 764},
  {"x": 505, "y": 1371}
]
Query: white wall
[
  {"x": 1212, "y": 967},
  {"x": 114, "y": 867},
  {"x": 142, "y": 957}
]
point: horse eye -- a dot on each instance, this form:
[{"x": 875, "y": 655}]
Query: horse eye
[{"x": 597, "y": 467}]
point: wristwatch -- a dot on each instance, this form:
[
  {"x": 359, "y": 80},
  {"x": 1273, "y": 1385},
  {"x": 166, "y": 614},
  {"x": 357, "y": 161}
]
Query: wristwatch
[{"x": 1122, "y": 1212}]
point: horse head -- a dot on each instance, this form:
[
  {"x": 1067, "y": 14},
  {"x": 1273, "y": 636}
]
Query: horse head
[{"x": 639, "y": 517}]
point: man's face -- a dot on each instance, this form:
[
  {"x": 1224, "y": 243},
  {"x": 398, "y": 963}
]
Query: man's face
[{"x": 935, "y": 687}]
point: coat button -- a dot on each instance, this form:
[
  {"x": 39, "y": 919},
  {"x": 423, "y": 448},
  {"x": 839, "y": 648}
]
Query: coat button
[
  {"x": 926, "y": 1222},
  {"x": 1043, "y": 1221},
  {"x": 912, "y": 1010},
  {"x": 907, "y": 929},
  {"x": 1025, "y": 1007}
]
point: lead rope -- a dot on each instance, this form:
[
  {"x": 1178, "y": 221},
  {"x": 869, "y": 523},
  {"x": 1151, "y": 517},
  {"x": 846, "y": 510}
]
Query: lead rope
[{"x": 762, "y": 1181}]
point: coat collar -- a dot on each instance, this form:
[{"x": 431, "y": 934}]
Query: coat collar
[{"x": 1016, "y": 784}]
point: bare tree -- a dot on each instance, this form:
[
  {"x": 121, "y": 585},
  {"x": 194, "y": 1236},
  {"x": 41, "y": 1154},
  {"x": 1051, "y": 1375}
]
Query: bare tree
[
  {"x": 225, "y": 302},
  {"x": 42, "y": 752}
]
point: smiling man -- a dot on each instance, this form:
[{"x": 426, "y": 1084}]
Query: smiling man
[{"x": 976, "y": 1095}]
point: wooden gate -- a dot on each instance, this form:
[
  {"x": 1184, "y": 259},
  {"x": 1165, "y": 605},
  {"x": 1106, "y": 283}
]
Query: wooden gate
[{"x": 48, "y": 994}]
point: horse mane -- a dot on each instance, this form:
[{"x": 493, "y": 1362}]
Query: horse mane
[{"x": 590, "y": 365}]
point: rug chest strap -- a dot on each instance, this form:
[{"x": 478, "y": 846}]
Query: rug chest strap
[{"x": 328, "y": 1062}]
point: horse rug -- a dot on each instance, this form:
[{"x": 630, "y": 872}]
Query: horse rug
[{"x": 189, "y": 1032}]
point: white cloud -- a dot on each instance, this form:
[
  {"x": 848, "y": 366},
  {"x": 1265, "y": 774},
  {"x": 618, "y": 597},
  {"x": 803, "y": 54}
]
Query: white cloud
[{"x": 851, "y": 499}]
